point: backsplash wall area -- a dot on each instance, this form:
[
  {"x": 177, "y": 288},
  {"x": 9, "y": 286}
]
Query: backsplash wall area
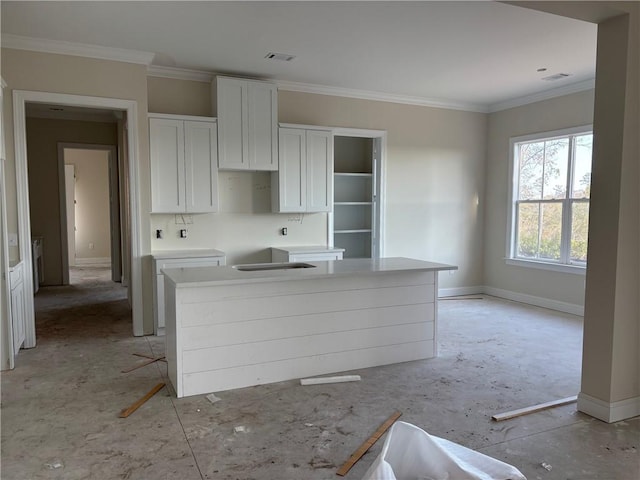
[{"x": 245, "y": 227}]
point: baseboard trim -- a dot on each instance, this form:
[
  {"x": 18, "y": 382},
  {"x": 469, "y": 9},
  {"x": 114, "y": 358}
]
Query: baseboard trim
[
  {"x": 537, "y": 301},
  {"x": 93, "y": 261},
  {"x": 457, "y": 291},
  {"x": 609, "y": 412}
]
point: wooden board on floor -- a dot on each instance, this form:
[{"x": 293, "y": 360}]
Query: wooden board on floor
[
  {"x": 535, "y": 408},
  {"x": 128, "y": 411},
  {"x": 353, "y": 459}
]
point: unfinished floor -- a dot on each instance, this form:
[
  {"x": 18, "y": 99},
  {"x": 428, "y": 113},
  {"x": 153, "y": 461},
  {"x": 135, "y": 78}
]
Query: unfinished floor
[{"x": 60, "y": 405}]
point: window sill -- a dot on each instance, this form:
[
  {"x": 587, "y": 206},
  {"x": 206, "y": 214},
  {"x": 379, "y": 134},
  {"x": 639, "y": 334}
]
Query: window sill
[{"x": 553, "y": 267}]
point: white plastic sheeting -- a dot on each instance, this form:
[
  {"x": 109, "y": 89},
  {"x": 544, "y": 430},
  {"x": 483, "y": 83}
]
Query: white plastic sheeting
[{"x": 410, "y": 453}]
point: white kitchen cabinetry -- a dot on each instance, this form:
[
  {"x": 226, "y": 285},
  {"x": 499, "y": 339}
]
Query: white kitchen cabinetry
[
  {"x": 303, "y": 182},
  {"x": 247, "y": 124},
  {"x": 305, "y": 254},
  {"x": 184, "y": 164},
  {"x": 16, "y": 282},
  {"x": 177, "y": 259}
]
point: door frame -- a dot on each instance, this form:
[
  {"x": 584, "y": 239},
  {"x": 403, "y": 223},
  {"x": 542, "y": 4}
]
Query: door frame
[
  {"x": 20, "y": 99},
  {"x": 64, "y": 238},
  {"x": 380, "y": 170}
]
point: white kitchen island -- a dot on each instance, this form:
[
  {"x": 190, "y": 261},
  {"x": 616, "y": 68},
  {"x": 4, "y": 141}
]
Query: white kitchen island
[{"x": 229, "y": 328}]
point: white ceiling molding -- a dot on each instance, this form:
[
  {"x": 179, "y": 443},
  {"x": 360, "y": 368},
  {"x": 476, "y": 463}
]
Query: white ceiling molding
[
  {"x": 179, "y": 73},
  {"x": 379, "y": 96},
  {"x": 19, "y": 42},
  {"x": 540, "y": 96}
]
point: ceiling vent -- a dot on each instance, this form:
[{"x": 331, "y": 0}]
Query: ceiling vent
[
  {"x": 557, "y": 76},
  {"x": 283, "y": 57}
]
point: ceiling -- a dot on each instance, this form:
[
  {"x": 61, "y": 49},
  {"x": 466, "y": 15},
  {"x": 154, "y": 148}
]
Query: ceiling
[{"x": 472, "y": 55}]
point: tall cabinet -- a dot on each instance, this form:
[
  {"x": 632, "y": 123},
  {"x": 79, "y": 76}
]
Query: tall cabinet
[
  {"x": 247, "y": 124},
  {"x": 355, "y": 200}
]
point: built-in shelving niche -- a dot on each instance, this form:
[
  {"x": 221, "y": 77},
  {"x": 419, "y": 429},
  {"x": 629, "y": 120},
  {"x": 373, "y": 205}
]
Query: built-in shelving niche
[{"x": 355, "y": 202}]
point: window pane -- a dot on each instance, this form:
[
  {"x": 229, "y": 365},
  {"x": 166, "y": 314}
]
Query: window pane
[
  {"x": 530, "y": 162},
  {"x": 579, "y": 231},
  {"x": 556, "y": 163},
  {"x": 581, "y": 187},
  {"x": 551, "y": 231},
  {"x": 528, "y": 214}
]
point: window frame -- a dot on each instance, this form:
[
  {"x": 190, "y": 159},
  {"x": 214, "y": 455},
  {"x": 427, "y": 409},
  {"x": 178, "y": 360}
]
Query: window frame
[{"x": 564, "y": 264}]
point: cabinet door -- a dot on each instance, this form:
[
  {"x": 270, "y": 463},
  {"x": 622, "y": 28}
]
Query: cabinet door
[
  {"x": 262, "y": 109},
  {"x": 292, "y": 174},
  {"x": 319, "y": 151},
  {"x": 232, "y": 124},
  {"x": 17, "y": 316},
  {"x": 166, "y": 142},
  {"x": 201, "y": 166}
]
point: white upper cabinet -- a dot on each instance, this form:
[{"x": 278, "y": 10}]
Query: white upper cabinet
[
  {"x": 184, "y": 167},
  {"x": 303, "y": 181},
  {"x": 247, "y": 124}
]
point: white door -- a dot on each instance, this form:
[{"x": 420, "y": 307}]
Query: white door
[{"x": 70, "y": 189}]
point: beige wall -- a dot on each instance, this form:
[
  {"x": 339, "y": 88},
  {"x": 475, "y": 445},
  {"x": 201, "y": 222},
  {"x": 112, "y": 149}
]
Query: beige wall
[
  {"x": 434, "y": 175},
  {"x": 93, "y": 221},
  {"x": 555, "y": 114},
  {"x": 43, "y": 136}
]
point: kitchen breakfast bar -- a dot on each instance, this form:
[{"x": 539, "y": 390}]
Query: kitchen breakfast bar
[{"x": 243, "y": 325}]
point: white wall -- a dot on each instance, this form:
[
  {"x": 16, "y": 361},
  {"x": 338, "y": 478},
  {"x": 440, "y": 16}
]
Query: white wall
[
  {"x": 93, "y": 222},
  {"x": 557, "y": 113}
]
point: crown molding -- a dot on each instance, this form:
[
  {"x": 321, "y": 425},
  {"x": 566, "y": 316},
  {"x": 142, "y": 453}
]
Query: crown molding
[
  {"x": 546, "y": 95},
  {"x": 379, "y": 96},
  {"x": 179, "y": 73},
  {"x": 61, "y": 47}
]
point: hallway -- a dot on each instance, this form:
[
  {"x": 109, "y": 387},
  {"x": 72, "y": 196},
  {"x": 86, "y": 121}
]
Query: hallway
[{"x": 60, "y": 405}]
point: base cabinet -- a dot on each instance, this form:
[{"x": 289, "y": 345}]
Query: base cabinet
[
  {"x": 160, "y": 263},
  {"x": 16, "y": 280},
  {"x": 305, "y": 254}
]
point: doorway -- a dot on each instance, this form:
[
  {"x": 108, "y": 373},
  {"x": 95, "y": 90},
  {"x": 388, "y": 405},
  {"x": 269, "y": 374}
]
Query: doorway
[
  {"x": 356, "y": 222},
  {"x": 131, "y": 236},
  {"x": 90, "y": 220}
]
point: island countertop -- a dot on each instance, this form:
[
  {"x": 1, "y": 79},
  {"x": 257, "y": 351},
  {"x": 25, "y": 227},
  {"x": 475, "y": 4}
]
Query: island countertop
[{"x": 224, "y": 275}]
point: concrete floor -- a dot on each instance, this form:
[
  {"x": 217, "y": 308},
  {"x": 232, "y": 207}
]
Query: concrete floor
[{"x": 60, "y": 405}]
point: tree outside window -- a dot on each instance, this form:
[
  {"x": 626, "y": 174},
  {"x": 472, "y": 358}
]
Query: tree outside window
[{"x": 552, "y": 178}]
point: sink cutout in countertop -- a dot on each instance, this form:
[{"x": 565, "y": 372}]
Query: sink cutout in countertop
[{"x": 258, "y": 267}]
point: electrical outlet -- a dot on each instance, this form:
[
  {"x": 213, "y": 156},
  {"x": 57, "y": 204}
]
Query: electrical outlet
[
  {"x": 283, "y": 231},
  {"x": 13, "y": 239},
  {"x": 91, "y": 246},
  {"x": 183, "y": 233},
  {"x": 159, "y": 233}
]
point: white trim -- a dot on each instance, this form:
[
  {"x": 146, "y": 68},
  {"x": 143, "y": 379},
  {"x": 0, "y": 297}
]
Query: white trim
[
  {"x": 306, "y": 127},
  {"x": 379, "y": 96},
  {"x": 97, "y": 261},
  {"x": 552, "y": 267},
  {"x": 180, "y": 73},
  {"x": 609, "y": 412},
  {"x": 460, "y": 291},
  {"x": 20, "y": 98},
  {"x": 61, "y": 47},
  {"x": 540, "y": 96},
  {"x": 535, "y": 301},
  {"x": 513, "y": 187},
  {"x": 190, "y": 118}
]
